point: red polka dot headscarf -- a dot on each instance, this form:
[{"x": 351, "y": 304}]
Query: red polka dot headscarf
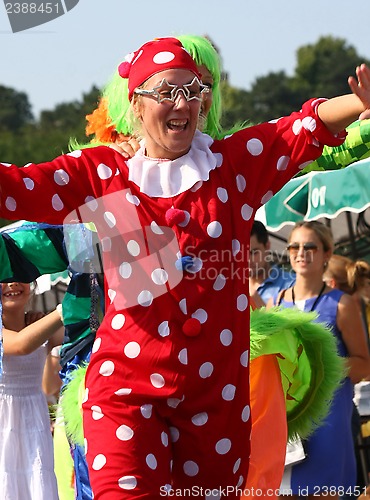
[{"x": 151, "y": 58}]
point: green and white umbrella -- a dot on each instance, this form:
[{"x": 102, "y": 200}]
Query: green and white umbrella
[{"x": 319, "y": 194}]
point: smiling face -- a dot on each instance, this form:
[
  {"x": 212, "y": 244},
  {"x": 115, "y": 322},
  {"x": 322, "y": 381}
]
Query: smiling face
[
  {"x": 307, "y": 254},
  {"x": 168, "y": 127},
  {"x": 15, "y": 295}
]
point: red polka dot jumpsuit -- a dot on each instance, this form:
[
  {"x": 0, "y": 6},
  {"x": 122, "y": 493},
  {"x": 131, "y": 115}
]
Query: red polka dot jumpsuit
[{"x": 167, "y": 393}]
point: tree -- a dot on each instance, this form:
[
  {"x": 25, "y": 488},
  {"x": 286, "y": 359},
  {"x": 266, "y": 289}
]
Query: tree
[{"x": 15, "y": 109}]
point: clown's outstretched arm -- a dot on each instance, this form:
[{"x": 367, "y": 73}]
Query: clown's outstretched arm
[{"x": 356, "y": 147}]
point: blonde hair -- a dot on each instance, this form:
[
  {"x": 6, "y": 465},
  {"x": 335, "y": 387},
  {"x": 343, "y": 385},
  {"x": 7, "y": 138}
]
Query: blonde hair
[
  {"x": 350, "y": 276},
  {"x": 322, "y": 231}
]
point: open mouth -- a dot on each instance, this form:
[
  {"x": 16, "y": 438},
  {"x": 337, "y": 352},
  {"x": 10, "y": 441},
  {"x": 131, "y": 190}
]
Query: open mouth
[
  {"x": 12, "y": 294},
  {"x": 177, "y": 125}
]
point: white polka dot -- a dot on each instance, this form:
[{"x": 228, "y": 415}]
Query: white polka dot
[
  {"x": 206, "y": 370},
  {"x": 132, "y": 350},
  {"x": 246, "y": 413},
  {"x": 163, "y": 329},
  {"x": 191, "y": 468},
  {"x": 240, "y": 482},
  {"x": 297, "y": 127},
  {"x": 228, "y": 392},
  {"x": 235, "y": 247},
  {"x": 110, "y": 219},
  {"x": 118, "y": 321},
  {"x": 226, "y": 337},
  {"x": 85, "y": 445},
  {"x": 125, "y": 270},
  {"x": 134, "y": 200},
  {"x": 223, "y": 446},
  {"x": 255, "y": 147},
  {"x": 57, "y": 203},
  {"x": 163, "y": 57},
  {"x": 86, "y": 395},
  {"x": 99, "y": 462},
  {"x": 151, "y": 461},
  {"x": 282, "y": 163},
  {"x": 97, "y": 413},
  {"x": 173, "y": 402},
  {"x": 244, "y": 358},
  {"x": 200, "y": 419},
  {"x": 196, "y": 186},
  {"x": 236, "y": 466},
  {"x": 155, "y": 228},
  {"x": 157, "y": 380},
  {"x": 222, "y": 195},
  {"x": 159, "y": 276},
  {"x": 124, "y": 391},
  {"x": 75, "y": 154},
  {"x": 304, "y": 165},
  {"x": 91, "y": 203},
  {"x": 266, "y": 197},
  {"x": 196, "y": 266},
  {"x": 309, "y": 123},
  {"x": 133, "y": 248},
  {"x": 246, "y": 211},
  {"x": 183, "y": 356},
  {"x": 61, "y": 177},
  {"x": 219, "y": 159},
  {"x": 200, "y": 315},
  {"x": 124, "y": 433},
  {"x": 107, "y": 368},
  {"x": 146, "y": 410},
  {"x": 10, "y": 204},
  {"x": 214, "y": 229},
  {"x": 104, "y": 172},
  {"x": 242, "y": 302},
  {"x": 183, "y": 306},
  {"x": 241, "y": 183},
  {"x": 111, "y": 294},
  {"x": 29, "y": 183},
  {"x": 106, "y": 244},
  {"x": 185, "y": 222},
  {"x": 219, "y": 283},
  {"x": 175, "y": 434},
  {"x": 145, "y": 298},
  {"x": 127, "y": 482},
  {"x": 96, "y": 344},
  {"x": 164, "y": 438}
]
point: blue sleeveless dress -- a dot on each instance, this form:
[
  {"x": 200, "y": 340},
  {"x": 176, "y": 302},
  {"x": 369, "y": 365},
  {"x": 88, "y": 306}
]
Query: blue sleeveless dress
[{"x": 330, "y": 458}]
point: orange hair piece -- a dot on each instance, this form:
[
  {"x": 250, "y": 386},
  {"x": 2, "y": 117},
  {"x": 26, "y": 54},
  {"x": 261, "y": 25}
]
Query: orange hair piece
[{"x": 100, "y": 124}]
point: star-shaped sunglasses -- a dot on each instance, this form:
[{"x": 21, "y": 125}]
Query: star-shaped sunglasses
[{"x": 168, "y": 92}]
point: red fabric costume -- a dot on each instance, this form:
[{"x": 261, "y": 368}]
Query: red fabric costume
[{"x": 167, "y": 398}]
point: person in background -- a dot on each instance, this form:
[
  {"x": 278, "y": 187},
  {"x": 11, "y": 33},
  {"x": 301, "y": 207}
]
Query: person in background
[
  {"x": 330, "y": 463},
  {"x": 266, "y": 279},
  {"x": 26, "y": 447}
]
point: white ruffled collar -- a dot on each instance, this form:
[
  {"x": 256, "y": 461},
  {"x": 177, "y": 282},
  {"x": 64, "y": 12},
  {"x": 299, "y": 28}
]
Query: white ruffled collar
[{"x": 167, "y": 178}]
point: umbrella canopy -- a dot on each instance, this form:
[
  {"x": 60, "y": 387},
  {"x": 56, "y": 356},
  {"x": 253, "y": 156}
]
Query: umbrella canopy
[{"x": 322, "y": 195}]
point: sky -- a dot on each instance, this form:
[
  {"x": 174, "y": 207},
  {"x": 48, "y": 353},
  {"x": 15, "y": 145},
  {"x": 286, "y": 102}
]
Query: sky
[{"x": 59, "y": 61}]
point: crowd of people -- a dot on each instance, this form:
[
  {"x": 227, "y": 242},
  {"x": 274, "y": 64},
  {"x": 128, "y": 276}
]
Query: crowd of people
[{"x": 158, "y": 232}]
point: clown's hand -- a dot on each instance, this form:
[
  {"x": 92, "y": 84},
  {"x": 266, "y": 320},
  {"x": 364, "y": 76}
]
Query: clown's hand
[
  {"x": 126, "y": 146},
  {"x": 361, "y": 88}
]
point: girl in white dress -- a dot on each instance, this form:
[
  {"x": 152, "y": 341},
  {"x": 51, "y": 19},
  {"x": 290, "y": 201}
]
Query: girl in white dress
[{"x": 26, "y": 447}]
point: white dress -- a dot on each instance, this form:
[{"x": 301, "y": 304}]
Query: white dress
[{"x": 26, "y": 446}]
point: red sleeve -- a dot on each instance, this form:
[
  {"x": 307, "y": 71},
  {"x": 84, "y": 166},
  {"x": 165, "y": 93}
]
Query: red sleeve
[{"x": 48, "y": 192}]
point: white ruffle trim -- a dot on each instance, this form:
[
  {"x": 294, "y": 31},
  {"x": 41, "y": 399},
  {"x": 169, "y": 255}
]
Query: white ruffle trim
[{"x": 167, "y": 178}]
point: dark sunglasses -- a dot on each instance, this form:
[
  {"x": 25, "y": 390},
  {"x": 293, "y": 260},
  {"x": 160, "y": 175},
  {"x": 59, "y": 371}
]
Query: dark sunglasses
[{"x": 307, "y": 247}]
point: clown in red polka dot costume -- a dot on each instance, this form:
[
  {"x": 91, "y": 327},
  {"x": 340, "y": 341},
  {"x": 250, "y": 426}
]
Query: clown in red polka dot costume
[{"x": 167, "y": 397}]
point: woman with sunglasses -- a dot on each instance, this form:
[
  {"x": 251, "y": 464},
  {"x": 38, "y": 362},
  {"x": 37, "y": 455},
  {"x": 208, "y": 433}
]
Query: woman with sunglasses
[
  {"x": 171, "y": 356},
  {"x": 330, "y": 467}
]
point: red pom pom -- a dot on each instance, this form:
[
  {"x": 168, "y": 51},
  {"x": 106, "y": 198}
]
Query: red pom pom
[
  {"x": 124, "y": 69},
  {"x": 191, "y": 327},
  {"x": 175, "y": 216}
]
